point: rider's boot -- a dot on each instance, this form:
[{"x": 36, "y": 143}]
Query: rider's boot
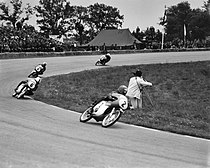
[{"x": 130, "y": 107}]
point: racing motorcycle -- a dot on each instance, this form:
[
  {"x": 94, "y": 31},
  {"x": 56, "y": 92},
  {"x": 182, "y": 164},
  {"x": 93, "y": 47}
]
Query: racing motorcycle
[
  {"x": 108, "y": 112},
  {"x": 103, "y": 60},
  {"x": 26, "y": 88},
  {"x": 38, "y": 70}
]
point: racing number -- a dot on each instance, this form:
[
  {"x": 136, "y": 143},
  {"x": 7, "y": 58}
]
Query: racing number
[
  {"x": 38, "y": 68},
  {"x": 31, "y": 84},
  {"x": 123, "y": 104}
]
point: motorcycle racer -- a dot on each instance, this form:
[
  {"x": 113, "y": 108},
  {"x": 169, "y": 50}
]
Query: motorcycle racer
[
  {"x": 38, "y": 70},
  {"x": 33, "y": 84},
  {"x": 103, "y": 59},
  {"x": 122, "y": 89}
]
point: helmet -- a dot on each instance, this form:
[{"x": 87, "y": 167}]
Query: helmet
[
  {"x": 38, "y": 79},
  {"x": 122, "y": 89},
  {"x": 108, "y": 54},
  {"x": 44, "y": 63},
  {"x": 138, "y": 73}
]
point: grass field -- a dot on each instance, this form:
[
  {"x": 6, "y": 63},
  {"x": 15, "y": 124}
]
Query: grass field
[{"x": 180, "y": 94}]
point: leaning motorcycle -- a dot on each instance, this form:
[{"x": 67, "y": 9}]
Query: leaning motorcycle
[
  {"x": 108, "y": 112},
  {"x": 102, "y": 61},
  {"x": 26, "y": 88}
]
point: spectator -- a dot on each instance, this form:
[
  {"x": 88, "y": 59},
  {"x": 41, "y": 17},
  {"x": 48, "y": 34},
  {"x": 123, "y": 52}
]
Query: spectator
[{"x": 135, "y": 88}]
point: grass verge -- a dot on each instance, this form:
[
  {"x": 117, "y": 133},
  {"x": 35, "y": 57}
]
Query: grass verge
[{"x": 180, "y": 93}]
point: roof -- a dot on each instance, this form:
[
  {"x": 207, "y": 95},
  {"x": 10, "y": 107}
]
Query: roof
[{"x": 119, "y": 37}]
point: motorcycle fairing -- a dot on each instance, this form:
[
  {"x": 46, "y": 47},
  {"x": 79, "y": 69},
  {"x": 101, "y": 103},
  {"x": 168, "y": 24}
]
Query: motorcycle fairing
[
  {"x": 32, "y": 83},
  {"x": 123, "y": 102},
  {"x": 100, "y": 108}
]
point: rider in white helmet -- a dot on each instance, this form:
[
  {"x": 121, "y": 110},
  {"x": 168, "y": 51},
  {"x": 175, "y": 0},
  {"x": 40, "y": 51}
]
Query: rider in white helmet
[
  {"x": 38, "y": 70},
  {"x": 105, "y": 58},
  {"x": 108, "y": 56},
  {"x": 32, "y": 83}
]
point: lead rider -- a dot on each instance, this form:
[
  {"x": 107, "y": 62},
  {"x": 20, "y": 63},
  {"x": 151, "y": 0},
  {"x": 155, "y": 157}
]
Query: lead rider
[{"x": 38, "y": 70}]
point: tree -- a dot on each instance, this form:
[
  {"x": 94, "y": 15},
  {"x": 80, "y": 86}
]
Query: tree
[
  {"x": 207, "y": 6},
  {"x": 199, "y": 25},
  {"x": 178, "y": 18},
  {"x": 56, "y": 17},
  {"x": 81, "y": 15},
  {"x": 184, "y": 25},
  {"x": 138, "y": 34},
  {"x": 16, "y": 16},
  {"x": 102, "y": 16}
]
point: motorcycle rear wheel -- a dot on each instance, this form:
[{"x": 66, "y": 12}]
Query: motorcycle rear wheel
[
  {"x": 85, "y": 116},
  {"x": 111, "y": 118}
]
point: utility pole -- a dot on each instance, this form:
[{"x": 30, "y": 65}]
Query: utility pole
[
  {"x": 185, "y": 34},
  {"x": 163, "y": 34},
  {"x": 163, "y": 30}
]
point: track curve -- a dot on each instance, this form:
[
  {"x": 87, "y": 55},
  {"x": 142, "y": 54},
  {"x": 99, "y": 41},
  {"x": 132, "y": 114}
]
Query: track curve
[{"x": 34, "y": 134}]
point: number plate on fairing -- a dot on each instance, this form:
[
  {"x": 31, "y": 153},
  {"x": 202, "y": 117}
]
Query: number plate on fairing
[
  {"x": 100, "y": 108},
  {"x": 123, "y": 102},
  {"x": 32, "y": 84}
]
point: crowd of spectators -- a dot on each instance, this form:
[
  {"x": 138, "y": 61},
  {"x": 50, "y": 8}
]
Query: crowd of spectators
[{"x": 26, "y": 39}]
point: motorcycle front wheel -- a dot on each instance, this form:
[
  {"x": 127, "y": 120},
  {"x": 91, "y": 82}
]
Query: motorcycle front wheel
[
  {"x": 85, "y": 116},
  {"x": 111, "y": 118},
  {"x": 22, "y": 93},
  {"x": 97, "y": 63}
]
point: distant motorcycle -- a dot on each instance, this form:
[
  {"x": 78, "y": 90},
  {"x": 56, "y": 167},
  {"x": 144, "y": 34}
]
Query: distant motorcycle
[
  {"x": 103, "y": 60},
  {"x": 26, "y": 88},
  {"x": 38, "y": 70},
  {"x": 108, "y": 112}
]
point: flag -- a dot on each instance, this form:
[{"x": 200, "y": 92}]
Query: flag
[
  {"x": 185, "y": 31},
  {"x": 164, "y": 17}
]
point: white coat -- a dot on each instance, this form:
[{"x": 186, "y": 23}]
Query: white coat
[{"x": 135, "y": 86}]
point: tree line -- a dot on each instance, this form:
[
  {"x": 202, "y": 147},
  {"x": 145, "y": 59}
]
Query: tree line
[
  {"x": 59, "y": 17},
  {"x": 183, "y": 27}
]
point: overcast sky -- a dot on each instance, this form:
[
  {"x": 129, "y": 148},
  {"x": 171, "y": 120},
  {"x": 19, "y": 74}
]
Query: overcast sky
[{"x": 142, "y": 13}]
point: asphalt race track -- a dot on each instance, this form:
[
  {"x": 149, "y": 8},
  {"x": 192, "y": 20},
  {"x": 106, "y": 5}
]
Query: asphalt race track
[{"x": 37, "y": 135}]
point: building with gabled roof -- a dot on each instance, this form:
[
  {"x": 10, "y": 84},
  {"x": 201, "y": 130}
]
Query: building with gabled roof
[{"x": 114, "y": 37}]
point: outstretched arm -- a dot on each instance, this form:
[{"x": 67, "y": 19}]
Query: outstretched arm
[{"x": 144, "y": 82}]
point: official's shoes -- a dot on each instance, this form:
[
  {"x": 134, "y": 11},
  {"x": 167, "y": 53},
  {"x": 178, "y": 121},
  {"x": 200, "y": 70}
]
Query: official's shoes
[{"x": 130, "y": 108}]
